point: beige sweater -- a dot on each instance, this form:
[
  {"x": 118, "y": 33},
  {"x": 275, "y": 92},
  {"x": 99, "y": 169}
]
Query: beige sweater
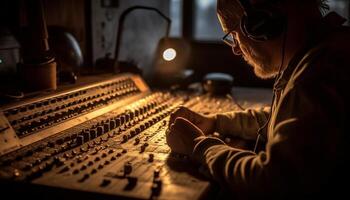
[{"x": 306, "y": 148}]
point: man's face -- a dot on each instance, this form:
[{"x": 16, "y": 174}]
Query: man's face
[
  {"x": 255, "y": 54},
  {"x": 258, "y": 54}
]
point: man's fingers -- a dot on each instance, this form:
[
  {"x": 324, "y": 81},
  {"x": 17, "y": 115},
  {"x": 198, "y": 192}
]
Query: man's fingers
[{"x": 181, "y": 111}]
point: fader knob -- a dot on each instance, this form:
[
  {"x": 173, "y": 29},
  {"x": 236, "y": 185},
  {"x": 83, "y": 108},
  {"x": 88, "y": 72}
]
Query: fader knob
[
  {"x": 99, "y": 130},
  {"x": 127, "y": 168},
  {"x": 92, "y": 134},
  {"x": 156, "y": 187},
  {"x": 105, "y": 127},
  {"x": 122, "y": 119},
  {"x": 112, "y": 124},
  {"x": 117, "y": 122},
  {"x": 151, "y": 157},
  {"x": 105, "y": 182}
]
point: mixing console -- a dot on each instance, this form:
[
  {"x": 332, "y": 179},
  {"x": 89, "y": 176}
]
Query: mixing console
[{"x": 106, "y": 139}]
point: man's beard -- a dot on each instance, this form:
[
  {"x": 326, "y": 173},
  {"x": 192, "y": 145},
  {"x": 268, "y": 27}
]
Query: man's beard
[{"x": 263, "y": 67}]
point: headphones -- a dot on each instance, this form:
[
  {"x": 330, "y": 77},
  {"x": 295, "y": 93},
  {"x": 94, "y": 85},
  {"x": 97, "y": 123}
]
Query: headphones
[{"x": 261, "y": 24}]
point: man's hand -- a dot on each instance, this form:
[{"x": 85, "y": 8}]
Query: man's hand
[
  {"x": 204, "y": 123},
  {"x": 181, "y": 136}
]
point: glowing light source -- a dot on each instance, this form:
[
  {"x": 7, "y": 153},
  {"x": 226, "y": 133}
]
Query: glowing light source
[{"x": 169, "y": 54}]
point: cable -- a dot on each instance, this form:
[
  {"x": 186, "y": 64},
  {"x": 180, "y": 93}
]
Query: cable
[
  {"x": 274, "y": 88},
  {"x": 231, "y": 97}
]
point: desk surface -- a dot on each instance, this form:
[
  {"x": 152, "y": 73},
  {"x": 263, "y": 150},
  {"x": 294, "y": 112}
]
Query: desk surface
[{"x": 252, "y": 97}]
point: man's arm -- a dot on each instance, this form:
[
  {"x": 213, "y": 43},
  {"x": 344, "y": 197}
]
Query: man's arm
[
  {"x": 302, "y": 153},
  {"x": 243, "y": 124}
]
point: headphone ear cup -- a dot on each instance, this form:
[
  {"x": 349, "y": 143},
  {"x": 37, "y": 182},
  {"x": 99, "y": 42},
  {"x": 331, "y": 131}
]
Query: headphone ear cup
[{"x": 261, "y": 25}]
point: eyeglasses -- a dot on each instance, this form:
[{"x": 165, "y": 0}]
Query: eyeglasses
[{"x": 229, "y": 39}]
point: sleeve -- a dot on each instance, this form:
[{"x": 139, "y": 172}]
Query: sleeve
[
  {"x": 302, "y": 153},
  {"x": 243, "y": 124}
]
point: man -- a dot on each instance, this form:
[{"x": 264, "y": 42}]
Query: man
[{"x": 304, "y": 133}]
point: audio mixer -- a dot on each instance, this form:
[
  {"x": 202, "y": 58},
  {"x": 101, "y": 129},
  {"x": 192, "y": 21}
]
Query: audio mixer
[{"x": 105, "y": 139}]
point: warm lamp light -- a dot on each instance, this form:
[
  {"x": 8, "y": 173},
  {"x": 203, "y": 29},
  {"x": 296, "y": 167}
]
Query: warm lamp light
[{"x": 169, "y": 54}]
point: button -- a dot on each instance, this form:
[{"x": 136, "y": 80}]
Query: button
[
  {"x": 142, "y": 127},
  {"x": 132, "y": 133},
  {"x": 122, "y": 119},
  {"x": 64, "y": 169},
  {"x": 151, "y": 157},
  {"x": 83, "y": 167},
  {"x": 112, "y": 124},
  {"x": 93, "y": 171},
  {"x": 127, "y": 168},
  {"x": 137, "y": 141},
  {"x": 125, "y": 138},
  {"x": 138, "y": 130},
  {"x": 90, "y": 163},
  {"x": 132, "y": 182},
  {"x": 105, "y": 182},
  {"x": 80, "y": 140},
  {"x": 99, "y": 130},
  {"x": 156, "y": 187},
  {"x": 86, "y": 176},
  {"x": 156, "y": 172},
  {"x": 92, "y": 133},
  {"x": 117, "y": 122},
  {"x": 106, "y": 127},
  {"x": 111, "y": 151}
]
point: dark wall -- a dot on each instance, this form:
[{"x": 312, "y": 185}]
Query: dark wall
[{"x": 215, "y": 57}]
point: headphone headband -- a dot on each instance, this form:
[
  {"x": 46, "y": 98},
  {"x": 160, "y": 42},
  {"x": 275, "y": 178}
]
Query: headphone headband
[{"x": 261, "y": 24}]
